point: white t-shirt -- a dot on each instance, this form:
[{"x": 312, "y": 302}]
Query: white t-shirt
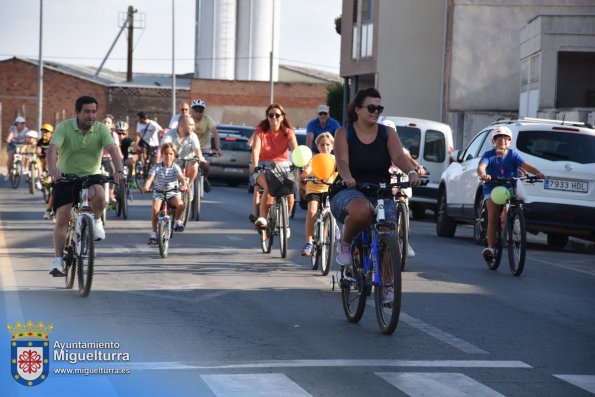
[
  {"x": 185, "y": 146},
  {"x": 149, "y": 132}
]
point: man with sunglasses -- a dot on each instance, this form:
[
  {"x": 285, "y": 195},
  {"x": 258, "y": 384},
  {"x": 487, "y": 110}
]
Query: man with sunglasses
[
  {"x": 323, "y": 123},
  {"x": 204, "y": 127},
  {"x": 184, "y": 110}
]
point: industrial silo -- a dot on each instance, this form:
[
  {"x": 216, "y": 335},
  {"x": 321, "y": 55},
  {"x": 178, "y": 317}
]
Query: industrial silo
[
  {"x": 257, "y": 31},
  {"x": 216, "y": 39}
]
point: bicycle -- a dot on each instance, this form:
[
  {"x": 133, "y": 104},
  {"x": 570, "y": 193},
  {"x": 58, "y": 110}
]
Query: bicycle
[
  {"x": 142, "y": 166},
  {"x": 165, "y": 218},
  {"x": 323, "y": 243},
  {"x": 17, "y": 169},
  {"x": 79, "y": 246},
  {"x": 46, "y": 186},
  {"x": 376, "y": 260},
  {"x": 278, "y": 216},
  {"x": 32, "y": 171},
  {"x": 123, "y": 195},
  {"x": 511, "y": 230}
]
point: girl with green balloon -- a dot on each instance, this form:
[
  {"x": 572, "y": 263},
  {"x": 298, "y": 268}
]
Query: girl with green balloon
[{"x": 499, "y": 162}]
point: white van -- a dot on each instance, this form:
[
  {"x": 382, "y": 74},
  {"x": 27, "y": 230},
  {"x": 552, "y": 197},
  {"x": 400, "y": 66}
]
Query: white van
[{"x": 430, "y": 144}]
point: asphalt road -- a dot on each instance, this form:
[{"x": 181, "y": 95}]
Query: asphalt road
[{"x": 219, "y": 318}]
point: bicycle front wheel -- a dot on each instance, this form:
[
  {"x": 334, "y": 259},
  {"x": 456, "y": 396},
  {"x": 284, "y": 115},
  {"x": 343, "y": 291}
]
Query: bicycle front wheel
[
  {"x": 283, "y": 225},
  {"x": 196, "y": 201},
  {"x": 186, "y": 200},
  {"x": 402, "y": 232},
  {"x": 139, "y": 173},
  {"x": 517, "y": 240},
  {"x": 388, "y": 291},
  {"x": 32, "y": 177},
  {"x": 327, "y": 243},
  {"x": 69, "y": 265},
  {"x": 163, "y": 233},
  {"x": 15, "y": 175},
  {"x": 354, "y": 290},
  {"x": 85, "y": 258}
]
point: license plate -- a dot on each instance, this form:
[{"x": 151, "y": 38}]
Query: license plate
[
  {"x": 566, "y": 185},
  {"x": 234, "y": 170}
]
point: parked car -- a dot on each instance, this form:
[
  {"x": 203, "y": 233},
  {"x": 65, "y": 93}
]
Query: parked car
[
  {"x": 430, "y": 144},
  {"x": 244, "y": 130},
  {"x": 562, "y": 205},
  {"x": 232, "y": 166}
]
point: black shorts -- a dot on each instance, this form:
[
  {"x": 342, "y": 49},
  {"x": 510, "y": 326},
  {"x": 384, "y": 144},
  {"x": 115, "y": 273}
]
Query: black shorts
[
  {"x": 66, "y": 193},
  {"x": 315, "y": 197}
]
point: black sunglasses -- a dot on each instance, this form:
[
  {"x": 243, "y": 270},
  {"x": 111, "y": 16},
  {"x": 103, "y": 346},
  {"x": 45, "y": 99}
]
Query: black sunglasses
[
  {"x": 374, "y": 108},
  {"x": 275, "y": 115},
  {"x": 121, "y": 133},
  {"x": 322, "y": 113},
  {"x": 198, "y": 109}
]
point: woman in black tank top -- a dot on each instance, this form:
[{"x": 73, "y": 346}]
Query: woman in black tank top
[{"x": 364, "y": 151}]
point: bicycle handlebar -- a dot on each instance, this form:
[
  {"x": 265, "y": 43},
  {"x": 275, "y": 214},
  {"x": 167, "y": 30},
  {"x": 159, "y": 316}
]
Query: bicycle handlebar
[{"x": 502, "y": 180}]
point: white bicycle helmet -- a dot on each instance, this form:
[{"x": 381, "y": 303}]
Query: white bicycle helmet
[
  {"x": 121, "y": 126},
  {"x": 198, "y": 102},
  {"x": 501, "y": 130},
  {"x": 32, "y": 134}
]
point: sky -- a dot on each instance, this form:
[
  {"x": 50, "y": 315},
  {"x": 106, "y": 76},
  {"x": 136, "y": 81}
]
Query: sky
[{"x": 81, "y": 32}]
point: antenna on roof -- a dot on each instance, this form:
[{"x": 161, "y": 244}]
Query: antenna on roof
[{"x": 563, "y": 119}]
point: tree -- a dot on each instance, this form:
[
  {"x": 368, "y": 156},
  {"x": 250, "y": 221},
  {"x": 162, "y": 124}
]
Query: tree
[
  {"x": 334, "y": 98},
  {"x": 338, "y": 25}
]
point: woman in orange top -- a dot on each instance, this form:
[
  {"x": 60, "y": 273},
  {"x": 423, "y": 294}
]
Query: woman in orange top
[{"x": 273, "y": 139}]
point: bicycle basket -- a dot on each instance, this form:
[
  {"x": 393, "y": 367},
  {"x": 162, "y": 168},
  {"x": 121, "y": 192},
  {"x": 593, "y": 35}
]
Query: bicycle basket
[{"x": 280, "y": 180}]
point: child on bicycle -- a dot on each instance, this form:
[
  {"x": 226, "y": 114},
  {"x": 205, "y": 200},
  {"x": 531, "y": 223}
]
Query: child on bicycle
[
  {"x": 30, "y": 148},
  {"x": 315, "y": 191},
  {"x": 167, "y": 175},
  {"x": 499, "y": 162}
]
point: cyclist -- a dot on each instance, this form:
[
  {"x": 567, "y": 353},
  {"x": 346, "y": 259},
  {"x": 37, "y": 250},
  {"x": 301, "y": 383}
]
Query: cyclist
[
  {"x": 273, "y": 139},
  {"x": 204, "y": 127},
  {"x": 167, "y": 175},
  {"x": 126, "y": 143},
  {"x": 499, "y": 162},
  {"x": 16, "y": 136},
  {"x": 393, "y": 168},
  {"x": 80, "y": 141},
  {"x": 184, "y": 109},
  {"x": 364, "y": 150},
  {"x": 30, "y": 148},
  {"x": 323, "y": 123},
  {"x": 42, "y": 145},
  {"x": 315, "y": 191},
  {"x": 187, "y": 146},
  {"x": 147, "y": 138}
]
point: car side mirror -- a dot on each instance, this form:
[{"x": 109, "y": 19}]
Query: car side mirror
[{"x": 455, "y": 156}]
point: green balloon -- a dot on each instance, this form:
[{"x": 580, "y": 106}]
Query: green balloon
[
  {"x": 301, "y": 156},
  {"x": 500, "y": 195}
]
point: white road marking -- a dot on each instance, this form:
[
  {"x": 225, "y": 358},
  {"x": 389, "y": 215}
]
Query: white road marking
[
  {"x": 586, "y": 382},
  {"x": 428, "y": 384},
  {"x": 12, "y": 302},
  {"x": 254, "y": 385}
]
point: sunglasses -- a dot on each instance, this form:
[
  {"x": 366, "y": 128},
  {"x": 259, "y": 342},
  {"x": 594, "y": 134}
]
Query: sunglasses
[
  {"x": 184, "y": 110},
  {"x": 121, "y": 133},
  {"x": 323, "y": 113},
  {"x": 275, "y": 115},
  {"x": 374, "y": 108},
  {"x": 198, "y": 109}
]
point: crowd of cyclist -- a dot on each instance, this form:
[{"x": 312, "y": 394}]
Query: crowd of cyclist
[{"x": 365, "y": 150}]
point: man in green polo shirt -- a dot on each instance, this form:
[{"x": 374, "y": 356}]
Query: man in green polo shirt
[{"x": 80, "y": 142}]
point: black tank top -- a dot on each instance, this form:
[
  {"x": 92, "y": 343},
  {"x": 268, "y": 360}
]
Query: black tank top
[{"x": 368, "y": 162}]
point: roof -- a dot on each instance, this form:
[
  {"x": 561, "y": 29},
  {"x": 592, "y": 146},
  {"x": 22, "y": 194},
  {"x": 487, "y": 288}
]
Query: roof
[
  {"x": 112, "y": 78},
  {"x": 291, "y": 73}
]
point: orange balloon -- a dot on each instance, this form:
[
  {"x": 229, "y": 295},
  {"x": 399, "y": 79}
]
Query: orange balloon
[{"x": 323, "y": 165}]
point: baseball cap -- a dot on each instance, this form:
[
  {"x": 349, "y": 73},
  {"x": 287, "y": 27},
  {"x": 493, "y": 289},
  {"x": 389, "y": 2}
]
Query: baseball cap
[
  {"x": 323, "y": 108},
  {"x": 501, "y": 130},
  {"x": 32, "y": 134},
  {"x": 20, "y": 119}
]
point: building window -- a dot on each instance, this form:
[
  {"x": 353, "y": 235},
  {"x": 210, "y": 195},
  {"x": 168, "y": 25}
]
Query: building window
[{"x": 363, "y": 29}]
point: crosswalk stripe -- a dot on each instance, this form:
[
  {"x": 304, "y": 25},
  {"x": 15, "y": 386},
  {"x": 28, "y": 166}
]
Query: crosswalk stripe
[
  {"x": 586, "y": 382},
  {"x": 426, "y": 384},
  {"x": 254, "y": 385}
]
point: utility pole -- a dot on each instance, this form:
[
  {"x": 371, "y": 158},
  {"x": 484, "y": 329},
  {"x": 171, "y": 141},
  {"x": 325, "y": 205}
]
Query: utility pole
[
  {"x": 40, "y": 70},
  {"x": 173, "y": 59},
  {"x": 271, "y": 57},
  {"x": 130, "y": 19}
]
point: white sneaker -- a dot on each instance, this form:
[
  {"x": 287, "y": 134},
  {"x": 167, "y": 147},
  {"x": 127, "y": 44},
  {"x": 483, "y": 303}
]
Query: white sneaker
[
  {"x": 57, "y": 267},
  {"x": 99, "y": 232},
  {"x": 410, "y": 252},
  {"x": 388, "y": 295},
  {"x": 261, "y": 222},
  {"x": 343, "y": 253},
  {"x": 47, "y": 214},
  {"x": 288, "y": 232},
  {"x": 337, "y": 232},
  {"x": 38, "y": 185}
]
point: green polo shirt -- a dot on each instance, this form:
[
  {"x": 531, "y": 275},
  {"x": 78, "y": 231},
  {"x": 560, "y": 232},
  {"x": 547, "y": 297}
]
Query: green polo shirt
[{"x": 78, "y": 153}]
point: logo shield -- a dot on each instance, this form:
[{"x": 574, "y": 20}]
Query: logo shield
[{"x": 30, "y": 363}]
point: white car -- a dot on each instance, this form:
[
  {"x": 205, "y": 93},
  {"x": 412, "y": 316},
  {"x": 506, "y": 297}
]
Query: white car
[
  {"x": 562, "y": 205},
  {"x": 430, "y": 144}
]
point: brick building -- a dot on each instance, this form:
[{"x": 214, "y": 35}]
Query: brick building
[{"x": 238, "y": 102}]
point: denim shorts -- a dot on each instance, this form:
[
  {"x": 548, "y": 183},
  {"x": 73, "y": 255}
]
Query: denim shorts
[{"x": 340, "y": 201}]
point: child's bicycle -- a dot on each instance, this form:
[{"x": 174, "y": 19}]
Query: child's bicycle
[
  {"x": 376, "y": 260},
  {"x": 323, "y": 243},
  {"x": 79, "y": 246},
  {"x": 165, "y": 221},
  {"x": 511, "y": 230}
]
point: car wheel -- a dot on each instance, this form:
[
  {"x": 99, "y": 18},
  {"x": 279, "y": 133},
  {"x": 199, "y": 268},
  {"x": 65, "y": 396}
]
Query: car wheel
[
  {"x": 480, "y": 223},
  {"x": 445, "y": 225},
  {"x": 557, "y": 240}
]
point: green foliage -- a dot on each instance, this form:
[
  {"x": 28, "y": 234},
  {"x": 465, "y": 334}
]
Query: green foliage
[
  {"x": 338, "y": 25},
  {"x": 334, "y": 99}
]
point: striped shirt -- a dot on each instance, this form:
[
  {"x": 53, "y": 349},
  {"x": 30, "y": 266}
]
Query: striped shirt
[{"x": 166, "y": 178}]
